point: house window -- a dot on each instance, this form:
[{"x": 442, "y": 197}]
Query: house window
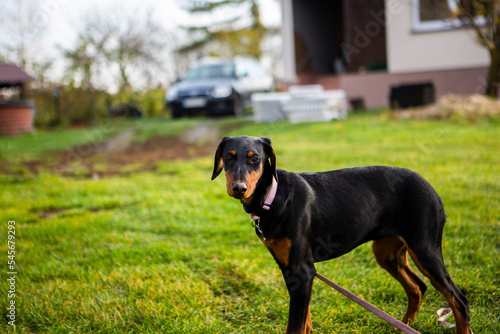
[
  {"x": 435, "y": 15},
  {"x": 433, "y": 10}
]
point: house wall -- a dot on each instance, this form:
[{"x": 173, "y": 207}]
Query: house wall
[
  {"x": 374, "y": 88},
  {"x": 410, "y": 51}
]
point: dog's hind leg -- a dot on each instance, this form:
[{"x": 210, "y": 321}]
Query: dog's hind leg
[
  {"x": 429, "y": 261},
  {"x": 391, "y": 253}
]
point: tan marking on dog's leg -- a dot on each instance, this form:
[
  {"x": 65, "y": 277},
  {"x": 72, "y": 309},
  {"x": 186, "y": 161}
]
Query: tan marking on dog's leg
[
  {"x": 391, "y": 254},
  {"x": 280, "y": 248}
]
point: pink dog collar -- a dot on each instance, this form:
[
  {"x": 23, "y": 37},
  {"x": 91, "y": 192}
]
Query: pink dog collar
[{"x": 269, "y": 199}]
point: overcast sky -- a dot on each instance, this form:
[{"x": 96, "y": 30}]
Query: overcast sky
[{"x": 59, "y": 20}]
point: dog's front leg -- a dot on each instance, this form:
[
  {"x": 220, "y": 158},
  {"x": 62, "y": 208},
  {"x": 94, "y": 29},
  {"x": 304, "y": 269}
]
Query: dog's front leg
[{"x": 299, "y": 279}]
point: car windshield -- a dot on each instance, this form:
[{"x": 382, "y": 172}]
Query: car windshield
[{"x": 211, "y": 71}]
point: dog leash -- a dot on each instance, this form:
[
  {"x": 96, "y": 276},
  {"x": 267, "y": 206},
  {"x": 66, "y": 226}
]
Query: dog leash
[{"x": 379, "y": 313}]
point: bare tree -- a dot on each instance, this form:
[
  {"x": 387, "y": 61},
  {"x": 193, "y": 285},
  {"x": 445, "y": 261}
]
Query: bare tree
[
  {"x": 137, "y": 47},
  {"x": 484, "y": 17},
  {"x": 129, "y": 47},
  {"x": 85, "y": 60}
]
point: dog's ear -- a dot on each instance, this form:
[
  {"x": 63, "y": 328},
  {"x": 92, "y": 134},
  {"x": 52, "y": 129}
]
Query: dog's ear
[
  {"x": 270, "y": 154},
  {"x": 218, "y": 163}
]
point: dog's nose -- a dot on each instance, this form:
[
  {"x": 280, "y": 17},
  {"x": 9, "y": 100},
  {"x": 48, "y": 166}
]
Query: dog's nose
[{"x": 239, "y": 188}]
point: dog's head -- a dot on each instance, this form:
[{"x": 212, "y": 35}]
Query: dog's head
[{"x": 244, "y": 160}]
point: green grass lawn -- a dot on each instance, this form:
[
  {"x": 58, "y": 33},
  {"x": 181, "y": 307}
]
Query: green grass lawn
[{"x": 169, "y": 252}]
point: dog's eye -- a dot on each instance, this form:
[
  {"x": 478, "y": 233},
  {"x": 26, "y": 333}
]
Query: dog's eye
[
  {"x": 229, "y": 158},
  {"x": 254, "y": 160}
]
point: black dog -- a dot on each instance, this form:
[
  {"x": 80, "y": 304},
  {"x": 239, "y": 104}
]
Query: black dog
[{"x": 311, "y": 217}]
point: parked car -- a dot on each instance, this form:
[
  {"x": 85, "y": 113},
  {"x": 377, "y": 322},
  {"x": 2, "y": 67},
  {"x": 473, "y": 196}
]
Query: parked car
[{"x": 218, "y": 87}]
